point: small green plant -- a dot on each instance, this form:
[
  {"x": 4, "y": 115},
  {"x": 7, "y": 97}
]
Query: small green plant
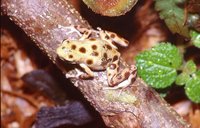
[
  {"x": 159, "y": 68},
  {"x": 163, "y": 65},
  {"x": 173, "y": 15}
]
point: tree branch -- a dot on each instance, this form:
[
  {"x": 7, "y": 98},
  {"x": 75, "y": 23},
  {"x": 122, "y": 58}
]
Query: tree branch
[{"x": 45, "y": 21}]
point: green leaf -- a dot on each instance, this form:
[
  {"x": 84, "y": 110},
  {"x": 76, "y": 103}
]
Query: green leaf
[
  {"x": 158, "y": 66},
  {"x": 182, "y": 78},
  {"x": 173, "y": 15},
  {"x": 197, "y": 73},
  {"x": 192, "y": 89},
  {"x": 190, "y": 67},
  {"x": 195, "y": 38}
]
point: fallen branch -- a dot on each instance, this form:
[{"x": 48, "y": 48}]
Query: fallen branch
[{"x": 45, "y": 21}]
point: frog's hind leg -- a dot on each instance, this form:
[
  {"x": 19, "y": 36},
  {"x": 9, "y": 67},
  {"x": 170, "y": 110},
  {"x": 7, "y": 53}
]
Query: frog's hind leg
[
  {"x": 127, "y": 80},
  {"x": 117, "y": 79},
  {"x": 112, "y": 71}
]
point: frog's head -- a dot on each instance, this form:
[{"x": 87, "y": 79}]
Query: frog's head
[{"x": 66, "y": 51}]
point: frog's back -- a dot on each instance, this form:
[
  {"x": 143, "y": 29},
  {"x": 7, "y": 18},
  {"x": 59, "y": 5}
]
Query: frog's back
[{"x": 93, "y": 52}]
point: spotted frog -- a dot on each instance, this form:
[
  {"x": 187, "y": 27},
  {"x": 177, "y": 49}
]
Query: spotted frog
[{"x": 99, "y": 53}]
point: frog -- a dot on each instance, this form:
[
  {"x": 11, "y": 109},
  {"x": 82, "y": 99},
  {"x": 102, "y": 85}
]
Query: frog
[{"x": 95, "y": 54}]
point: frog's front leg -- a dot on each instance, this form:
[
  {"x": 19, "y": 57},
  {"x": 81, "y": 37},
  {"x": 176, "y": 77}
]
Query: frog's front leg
[
  {"x": 112, "y": 38},
  {"x": 87, "y": 70},
  {"x": 86, "y": 35},
  {"x": 80, "y": 74},
  {"x": 77, "y": 75},
  {"x": 117, "y": 39},
  {"x": 84, "y": 31},
  {"x": 105, "y": 37}
]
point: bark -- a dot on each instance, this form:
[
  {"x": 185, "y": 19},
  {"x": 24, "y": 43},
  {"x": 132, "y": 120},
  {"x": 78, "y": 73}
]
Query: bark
[{"x": 138, "y": 105}]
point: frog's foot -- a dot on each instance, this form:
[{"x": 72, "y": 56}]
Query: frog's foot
[
  {"x": 80, "y": 29},
  {"x": 77, "y": 75},
  {"x": 86, "y": 33},
  {"x": 123, "y": 84},
  {"x": 71, "y": 29}
]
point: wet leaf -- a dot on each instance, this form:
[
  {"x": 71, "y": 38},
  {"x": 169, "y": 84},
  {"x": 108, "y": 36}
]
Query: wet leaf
[{"x": 158, "y": 65}]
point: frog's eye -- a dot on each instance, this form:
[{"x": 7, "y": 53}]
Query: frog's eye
[
  {"x": 66, "y": 41},
  {"x": 65, "y": 49}
]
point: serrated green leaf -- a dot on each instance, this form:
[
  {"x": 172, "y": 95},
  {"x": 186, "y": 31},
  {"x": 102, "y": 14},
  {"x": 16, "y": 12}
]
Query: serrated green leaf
[
  {"x": 192, "y": 89},
  {"x": 182, "y": 78},
  {"x": 158, "y": 66},
  {"x": 195, "y": 38},
  {"x": 190, "y": 67},
  {"x": 173, "y": 15}
]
